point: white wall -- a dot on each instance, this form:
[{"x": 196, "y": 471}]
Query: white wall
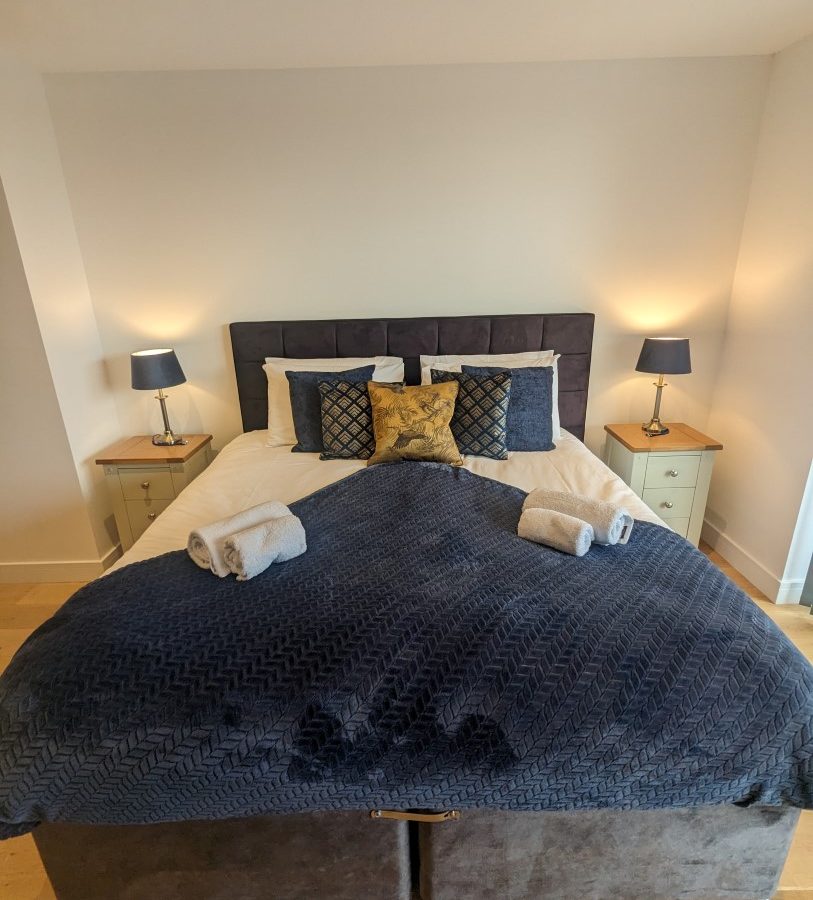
[
  {"x": 43, "y": 225},
  {"x": 206, "y": 197},
  {"x": 44, "y": 516},
  {"x": 762, "y": 405}
]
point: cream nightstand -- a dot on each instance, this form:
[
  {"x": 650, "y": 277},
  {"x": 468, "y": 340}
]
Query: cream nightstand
[
  {"x": 144, "y": 479},
  {"x": 669, "y": 472}
]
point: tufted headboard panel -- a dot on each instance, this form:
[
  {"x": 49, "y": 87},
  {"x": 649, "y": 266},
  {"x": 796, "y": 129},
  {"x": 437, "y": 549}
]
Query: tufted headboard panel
[{"x": 570, "y": 334}]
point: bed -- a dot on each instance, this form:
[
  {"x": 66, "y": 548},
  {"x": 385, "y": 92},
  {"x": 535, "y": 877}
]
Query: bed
[{"x": 682, "y": 830}]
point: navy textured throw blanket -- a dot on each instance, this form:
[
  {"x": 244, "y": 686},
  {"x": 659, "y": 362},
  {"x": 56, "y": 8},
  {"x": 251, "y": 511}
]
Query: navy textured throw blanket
[{"x": 420, "y": 654}]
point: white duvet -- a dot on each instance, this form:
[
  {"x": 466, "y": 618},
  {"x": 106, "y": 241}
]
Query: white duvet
[{"x": 247, "y": 472}]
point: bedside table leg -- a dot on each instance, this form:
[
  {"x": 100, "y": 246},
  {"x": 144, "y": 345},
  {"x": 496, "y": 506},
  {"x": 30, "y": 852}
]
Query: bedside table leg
[{"x": 701, "y": 493}]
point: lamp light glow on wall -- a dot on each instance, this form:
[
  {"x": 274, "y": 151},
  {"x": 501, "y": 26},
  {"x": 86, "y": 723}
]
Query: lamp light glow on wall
[
  {"x": 158, "y": 369},
  {"x": 663, "y": 356}
]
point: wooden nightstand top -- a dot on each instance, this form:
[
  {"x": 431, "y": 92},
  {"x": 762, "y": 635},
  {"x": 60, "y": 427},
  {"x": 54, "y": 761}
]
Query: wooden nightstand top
[
  {"x": 681, "y": 437},
  {"x": 140, "y": 449}
]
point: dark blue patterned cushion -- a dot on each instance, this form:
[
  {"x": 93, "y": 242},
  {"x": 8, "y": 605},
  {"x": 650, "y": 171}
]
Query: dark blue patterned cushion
[
  {"x": 347, "y": 420},
  {"x": 306, "y": 403},
  {"x": 530, "y": 410},
  {"x": 481, "y": 408}
]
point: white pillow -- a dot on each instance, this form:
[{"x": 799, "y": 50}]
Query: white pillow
[
  {"x": 534, "y": 359},
  {"x": 508, "y": 360},
  {"x": 280, "y": 416}
]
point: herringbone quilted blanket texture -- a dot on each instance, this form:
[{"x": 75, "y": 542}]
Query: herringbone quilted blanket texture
[{"x": 419, "y": 654}]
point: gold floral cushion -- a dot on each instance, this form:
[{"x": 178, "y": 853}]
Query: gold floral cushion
[{"x": 413, "y": 422}]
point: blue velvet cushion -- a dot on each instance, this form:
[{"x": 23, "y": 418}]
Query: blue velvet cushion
[
  {"x": 306, "y": 403},
  {"x": 480, "y": 412},
  {"x": 530, "y": 409}
]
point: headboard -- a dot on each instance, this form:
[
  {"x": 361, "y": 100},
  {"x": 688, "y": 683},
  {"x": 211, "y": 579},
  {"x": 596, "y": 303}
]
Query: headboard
[{"x": 570, "y": 334}]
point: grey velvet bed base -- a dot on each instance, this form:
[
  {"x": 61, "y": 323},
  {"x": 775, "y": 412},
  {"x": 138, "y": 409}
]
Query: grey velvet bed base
[
  {"x": 707, "y": 853},
  {"x": 692, "y": 854}
]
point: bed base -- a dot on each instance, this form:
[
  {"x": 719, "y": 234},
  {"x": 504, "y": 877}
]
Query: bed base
[
  {"x": 691, "y": 854},
  {"x": 288, "y": 857},
  {"x": 709, "y": 853}
]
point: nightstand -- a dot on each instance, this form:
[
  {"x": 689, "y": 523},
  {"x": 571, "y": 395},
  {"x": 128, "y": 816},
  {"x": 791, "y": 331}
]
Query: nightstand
[
  {"x": 144, "y": 479},
  {"x": 669, "y": 472}
]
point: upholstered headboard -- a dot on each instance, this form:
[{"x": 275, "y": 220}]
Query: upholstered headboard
[{"x": 570, "y": 334}]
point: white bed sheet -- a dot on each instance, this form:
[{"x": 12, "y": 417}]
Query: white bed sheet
[{"x": 247, "y": 472}]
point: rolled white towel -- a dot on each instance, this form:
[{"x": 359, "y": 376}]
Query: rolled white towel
[
  {"x": 252, "y": 551},
  {"x": 611, "y": 524},
  {"x": 205, "y": 544},
  {"x": 557, "y": 530}
]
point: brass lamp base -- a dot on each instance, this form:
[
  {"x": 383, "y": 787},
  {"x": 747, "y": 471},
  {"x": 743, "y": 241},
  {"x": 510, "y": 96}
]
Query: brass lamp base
[
  {"x": 655, "y": 427},
  {"x": 168, "y": 439}
]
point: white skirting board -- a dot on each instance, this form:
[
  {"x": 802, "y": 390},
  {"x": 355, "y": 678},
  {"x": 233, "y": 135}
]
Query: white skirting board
[
  {"x": 775, "y": 588},
  {"x": 54, "y": 570}
]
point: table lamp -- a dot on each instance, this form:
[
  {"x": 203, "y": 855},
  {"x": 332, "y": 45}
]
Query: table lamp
[
  {"x": 159, "y": 369},
  {"x": 663, "y": 356}
]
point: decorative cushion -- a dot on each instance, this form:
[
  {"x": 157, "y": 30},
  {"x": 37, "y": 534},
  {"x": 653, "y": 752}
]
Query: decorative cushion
[
  {"x": 280, "y": 416},
  {"x": 530, "y": 407},
  {"x": 479, "y": 420},
  {"x": 347, "y": 420},
  {"x": 413, "y": 423},
  {"x": 306, "y": 404}
]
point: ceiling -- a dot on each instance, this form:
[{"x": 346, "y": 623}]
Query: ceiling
[{"x": 109, "y": 35}]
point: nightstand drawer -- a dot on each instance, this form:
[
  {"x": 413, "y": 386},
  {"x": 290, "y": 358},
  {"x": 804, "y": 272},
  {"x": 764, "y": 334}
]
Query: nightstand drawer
[
  {"x": 142, "y": 513},
  {"x": 146, "y": 484},
  {"x": 664, "y": 471},
  {"x": 670, "y": 503}
]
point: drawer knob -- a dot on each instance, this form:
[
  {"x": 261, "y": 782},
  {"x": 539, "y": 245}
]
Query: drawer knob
[
  {"x": 667, "y": 503},
  {"x": 151, "y": 515},
  {"x": 145, "y": 485},
  {"x": 674, "y": 473}
]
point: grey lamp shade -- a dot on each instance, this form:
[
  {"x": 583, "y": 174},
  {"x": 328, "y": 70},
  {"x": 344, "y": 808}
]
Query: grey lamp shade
[
  {"x": 153, "y": 369},
  {"x": 665, "y": 356}
]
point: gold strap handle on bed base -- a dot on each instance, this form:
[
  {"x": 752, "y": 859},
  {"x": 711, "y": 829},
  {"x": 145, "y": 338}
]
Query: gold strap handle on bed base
[{"x": 448, "y": 815}]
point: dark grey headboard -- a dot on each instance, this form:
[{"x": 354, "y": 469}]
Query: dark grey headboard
[{"x": 570, "y": 334}]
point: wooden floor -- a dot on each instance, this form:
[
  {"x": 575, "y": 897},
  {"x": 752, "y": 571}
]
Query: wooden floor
[{"x": 23, "y": 607}]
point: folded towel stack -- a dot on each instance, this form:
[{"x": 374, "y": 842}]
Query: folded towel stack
[
  {"x": 570, "y": 523},
  {"x": 252, "y": 551},
  {"x": 256, "y": 538},
  {"x": 611, "y": 524},
  {"x": 557, "y": 530}
]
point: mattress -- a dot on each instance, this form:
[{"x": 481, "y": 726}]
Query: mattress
[{"x": 247, "y": 472}]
